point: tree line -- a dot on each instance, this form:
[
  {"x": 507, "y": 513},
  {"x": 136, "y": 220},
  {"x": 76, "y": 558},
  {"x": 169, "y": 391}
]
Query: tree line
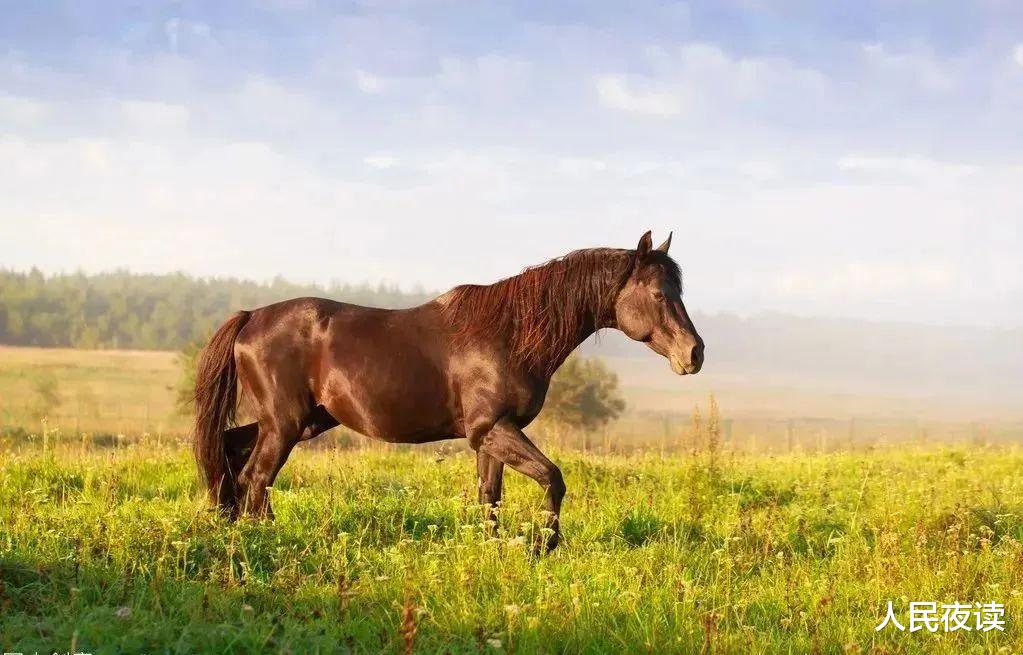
[{"x": 149, "y": 312}]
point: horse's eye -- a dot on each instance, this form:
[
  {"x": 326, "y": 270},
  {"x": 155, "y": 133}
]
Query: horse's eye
[{"x": 658, "y": 296}]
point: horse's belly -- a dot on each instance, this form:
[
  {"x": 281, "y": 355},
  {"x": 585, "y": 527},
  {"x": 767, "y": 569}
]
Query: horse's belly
[{"x": 400, "y": 402}]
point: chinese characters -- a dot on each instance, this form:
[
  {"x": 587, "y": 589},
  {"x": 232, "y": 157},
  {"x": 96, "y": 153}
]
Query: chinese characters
[{"x": 949, "y": 617}]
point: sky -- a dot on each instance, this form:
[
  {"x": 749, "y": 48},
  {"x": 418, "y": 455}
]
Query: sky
[{"x": 859, "y": 160}]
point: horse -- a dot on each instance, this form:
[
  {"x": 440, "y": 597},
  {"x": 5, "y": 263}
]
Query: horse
[{"x": 474, "y": 363}]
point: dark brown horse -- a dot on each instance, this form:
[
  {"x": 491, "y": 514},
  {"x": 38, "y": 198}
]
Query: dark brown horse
[{"x": 474, "y": 363}]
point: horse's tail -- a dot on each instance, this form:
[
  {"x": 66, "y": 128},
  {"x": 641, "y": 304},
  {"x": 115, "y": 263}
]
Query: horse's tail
[{"x": 216, "y": 379}]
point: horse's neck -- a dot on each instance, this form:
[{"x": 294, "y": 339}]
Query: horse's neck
[{"x": 587, "y": 328}]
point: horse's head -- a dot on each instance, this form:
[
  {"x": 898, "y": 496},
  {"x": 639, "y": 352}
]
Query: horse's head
[{"x": 649, "y": 308}]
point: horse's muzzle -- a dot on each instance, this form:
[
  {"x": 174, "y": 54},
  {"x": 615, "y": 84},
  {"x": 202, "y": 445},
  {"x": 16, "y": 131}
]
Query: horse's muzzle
[{"x": 691, "y": 367}]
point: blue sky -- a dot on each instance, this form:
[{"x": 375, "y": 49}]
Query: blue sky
[{"x": 843, "y": 159}]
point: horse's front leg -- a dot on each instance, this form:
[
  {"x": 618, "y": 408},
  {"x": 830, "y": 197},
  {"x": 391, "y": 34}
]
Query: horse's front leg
[
  {"x": 491, "y": 481},
  {"x": 506, "y": 443}
]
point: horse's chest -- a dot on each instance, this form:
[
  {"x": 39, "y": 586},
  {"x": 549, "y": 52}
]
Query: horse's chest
[{"x": 525, "y": 399}]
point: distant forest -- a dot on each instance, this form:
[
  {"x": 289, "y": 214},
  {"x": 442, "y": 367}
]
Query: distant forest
[{"x": 150, "y": 312}]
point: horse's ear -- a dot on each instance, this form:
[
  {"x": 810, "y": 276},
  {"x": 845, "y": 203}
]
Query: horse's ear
[
  {"x": 667, "y": 244},
  {"x": 645, "y": 244}
]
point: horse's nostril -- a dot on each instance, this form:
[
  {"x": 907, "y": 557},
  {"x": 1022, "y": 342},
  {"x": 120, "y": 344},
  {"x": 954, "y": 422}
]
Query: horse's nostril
[{"x": 697, "y": 355}]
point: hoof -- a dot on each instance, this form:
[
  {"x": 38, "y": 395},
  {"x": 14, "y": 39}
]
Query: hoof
[
  {"x": 545, "y": 544},
  {"x": 228, "y": 510}
]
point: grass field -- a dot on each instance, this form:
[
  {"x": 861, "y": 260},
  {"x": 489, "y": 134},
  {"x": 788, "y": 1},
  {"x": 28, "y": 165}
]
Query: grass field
[
  {"x": 111, "y": 550},
  {"x": 112, "y": 391}
]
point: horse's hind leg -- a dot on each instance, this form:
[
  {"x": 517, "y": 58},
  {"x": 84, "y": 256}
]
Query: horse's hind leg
[
  {"x": 277, "y": 395},
  {"x": 285, "y": 414},
  {"x": 238, "y": 444},
  {"x": 274, "y": 439},
  {"x": 277, "y": 436}
]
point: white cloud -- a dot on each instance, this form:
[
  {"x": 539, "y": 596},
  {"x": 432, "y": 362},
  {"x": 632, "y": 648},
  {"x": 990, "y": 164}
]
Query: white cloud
[
  {"x": 155, "y": 116},
  {"x": 176, "y": 28},
  {"x": 369, "y": 83},
  {"x": 760, "y": 170},
  {"x": 707, "y": 84},
  {"x": 22, "y": 111},
  {"x": 580, "y": 167},
  {"x": 912, "y": 67},
  {"x": 615, "y": 93},
  {"x": 492, "y": 176},
  {"x": 268, "y": 104},
  {"x": 1017, "y": 54},
  {"x": 172, "y": 28},
  {"x": 94, "y": 155},
  {"x": 494, "y": 76},
  {"x": 381, "y": 161},
  {"x": 919, "y": 169},
  {"x": 709, "y": 71},
  {"x": 491, "y": 77},
  {"x": 812, "y": 249},
  {"x": 648, "y": 167}
]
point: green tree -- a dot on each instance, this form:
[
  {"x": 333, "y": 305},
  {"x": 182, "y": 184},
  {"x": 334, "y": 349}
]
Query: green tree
[
  {"x": 165, "y": 312},
  {"x": 583, "y": 395}
]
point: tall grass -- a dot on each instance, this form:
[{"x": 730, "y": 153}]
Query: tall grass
[{"x": 112, "y": 550}]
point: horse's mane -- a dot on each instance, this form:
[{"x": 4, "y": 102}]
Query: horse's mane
[{"x": 543, "y": 310}]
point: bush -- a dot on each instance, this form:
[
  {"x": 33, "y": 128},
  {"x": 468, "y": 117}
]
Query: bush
[{"x": 583, "y": 395}]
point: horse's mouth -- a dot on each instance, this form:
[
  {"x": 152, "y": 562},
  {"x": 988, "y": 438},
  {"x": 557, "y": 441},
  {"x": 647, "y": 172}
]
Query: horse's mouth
[{"x": 680, "y": 368}]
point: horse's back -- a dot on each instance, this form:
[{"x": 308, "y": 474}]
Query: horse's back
[
  {"x": 381, "y": 372},
  {"x": 286, "y": 329}
]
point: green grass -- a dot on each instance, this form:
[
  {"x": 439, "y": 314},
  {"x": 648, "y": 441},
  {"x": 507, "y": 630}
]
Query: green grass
[{"x": 112, "y": 551}]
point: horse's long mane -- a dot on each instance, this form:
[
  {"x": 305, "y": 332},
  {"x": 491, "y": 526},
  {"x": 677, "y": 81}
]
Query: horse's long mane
[{"x": 543, "y": 310}]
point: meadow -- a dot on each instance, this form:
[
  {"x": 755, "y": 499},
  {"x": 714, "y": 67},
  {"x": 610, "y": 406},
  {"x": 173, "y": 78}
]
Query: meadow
[
  {"x": 111, "y": 549},
  {"x": 107, "y": 393},
  {"x": 110, "y": 391},
  {"x": 674, "y": 542}
]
